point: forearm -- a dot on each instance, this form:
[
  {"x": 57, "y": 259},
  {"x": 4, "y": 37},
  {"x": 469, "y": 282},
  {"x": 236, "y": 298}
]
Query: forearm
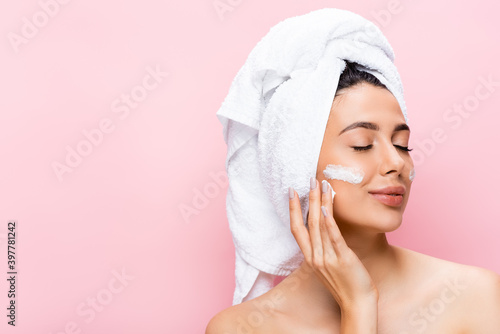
[{"x": 359, "y": 318}]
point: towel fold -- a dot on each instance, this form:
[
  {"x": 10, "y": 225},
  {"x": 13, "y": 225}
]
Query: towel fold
[{"x": 274, "y": 119}]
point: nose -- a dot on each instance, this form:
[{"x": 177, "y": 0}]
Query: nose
[{"x": 391, "y": 160}]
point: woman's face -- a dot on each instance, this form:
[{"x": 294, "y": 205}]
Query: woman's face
[{"x": 384, "y": 162}]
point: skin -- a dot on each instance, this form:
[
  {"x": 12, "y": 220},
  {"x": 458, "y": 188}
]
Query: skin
[{"x": 352, "y": 279}]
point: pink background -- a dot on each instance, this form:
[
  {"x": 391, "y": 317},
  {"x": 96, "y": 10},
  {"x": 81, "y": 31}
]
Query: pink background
[{"x": 120, "y": 206}]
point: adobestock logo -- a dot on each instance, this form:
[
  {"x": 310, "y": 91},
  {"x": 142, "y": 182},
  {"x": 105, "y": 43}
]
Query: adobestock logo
[
  {"x": 224, "y": 6},
  {"x": 97, "y": 302},
  {"x": 263, "y": 309},
  {"x": 384, "y": 16},
  {"x": 247, "y": 157},
  {"x": 454, "y": 116},
  {"x": 122, "y": 106},
  {"x": 31, "y": 27},
  {"x": 428, "y": 314},
  {"x": 201, "y": 198}
]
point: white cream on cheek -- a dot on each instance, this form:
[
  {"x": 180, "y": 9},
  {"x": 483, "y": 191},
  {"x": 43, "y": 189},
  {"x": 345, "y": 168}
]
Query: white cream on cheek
[
  {"x": 352, "y": 175},
  {"x": 412, "y": 174}
]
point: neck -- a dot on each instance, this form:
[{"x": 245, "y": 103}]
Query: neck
[{"x": 378, "y": 257}]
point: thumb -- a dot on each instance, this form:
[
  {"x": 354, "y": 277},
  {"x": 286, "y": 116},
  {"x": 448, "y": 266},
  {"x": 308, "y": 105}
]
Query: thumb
[{"x": 333, "y": 197}]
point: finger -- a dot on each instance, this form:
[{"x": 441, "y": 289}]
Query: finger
[
  {"x": 332, "y": 228},
  {"x": 336, "y": 238},
  {"x": 297, "y": 227},
  {"x": 314, "y": 219},
  {"x": 326, "y": 201},
  {"x": 329, "y": 252},
  {"x": 327, "y": 195}
]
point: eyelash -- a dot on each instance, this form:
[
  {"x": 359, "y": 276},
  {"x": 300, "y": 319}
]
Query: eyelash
[{"x": 364, "y": 148}]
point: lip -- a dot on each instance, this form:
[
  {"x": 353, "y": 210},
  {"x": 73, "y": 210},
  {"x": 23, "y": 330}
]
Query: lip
[{"x": 384, "y": 196}]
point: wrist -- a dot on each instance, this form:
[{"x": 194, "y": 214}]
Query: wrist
[
  {"x": 367, "y": 299},
  {"x": 360, "y": 317},
  {"x": 360, "y": 308}
]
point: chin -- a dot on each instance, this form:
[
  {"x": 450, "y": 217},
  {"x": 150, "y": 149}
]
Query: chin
[
  {"x": 380, "y": 220},
  {"x": 386, "y": 219},
  {"x": 388, "y": 225},
  {"x": 368, "y": 214},
  {"x": 383, "y": 224}
]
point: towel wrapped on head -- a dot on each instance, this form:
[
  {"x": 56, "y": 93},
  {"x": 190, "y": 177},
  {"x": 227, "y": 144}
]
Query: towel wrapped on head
[{"x": 274, "y": 119}]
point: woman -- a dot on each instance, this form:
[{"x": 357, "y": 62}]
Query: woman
[{"x": 352, "y": 280}]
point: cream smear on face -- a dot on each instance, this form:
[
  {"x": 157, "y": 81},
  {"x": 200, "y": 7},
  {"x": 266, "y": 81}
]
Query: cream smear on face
[
  {"x": 352, "y": 175},
  {"x": 412, "y": 174}
]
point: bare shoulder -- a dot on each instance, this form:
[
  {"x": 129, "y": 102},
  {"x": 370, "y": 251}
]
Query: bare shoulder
[
  {"x": 481, "y": 303},
  {"x": 253, "y": 316},
  {"x": 475, "y": 291},
  {"x": 478, "y": 278},
  {"x": 224, "y": 322},
  {"x": 428, "y": 262}
]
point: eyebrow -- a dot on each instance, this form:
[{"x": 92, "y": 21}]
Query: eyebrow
[{"x": 373, "y": 126}]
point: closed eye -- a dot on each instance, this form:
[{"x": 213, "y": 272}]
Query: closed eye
[
  {"x": 404, "y": 148},
  {"x": 364, "y": 148}
]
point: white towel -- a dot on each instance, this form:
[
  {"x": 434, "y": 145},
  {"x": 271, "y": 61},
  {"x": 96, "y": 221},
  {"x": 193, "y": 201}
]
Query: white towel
[{"x": 274, "y": 119}]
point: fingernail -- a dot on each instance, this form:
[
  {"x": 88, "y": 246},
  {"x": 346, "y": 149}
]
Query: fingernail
[
  {"x": 291, "y": 193},
  {"x": 313, "y": 183},
  {"x": 325, "y": 185},
  {"x": 323, "y": 209}
]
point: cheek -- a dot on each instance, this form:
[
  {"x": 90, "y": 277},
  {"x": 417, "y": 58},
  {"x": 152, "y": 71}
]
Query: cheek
[
  {"x": 353, "y": 175},
  {"x": 349, "y": 205},
  {"x": 347, "y": 181},
  {"x": 412, "y": 174}
]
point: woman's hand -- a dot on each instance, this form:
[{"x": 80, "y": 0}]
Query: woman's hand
[{"x": 327, "y": 253}]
